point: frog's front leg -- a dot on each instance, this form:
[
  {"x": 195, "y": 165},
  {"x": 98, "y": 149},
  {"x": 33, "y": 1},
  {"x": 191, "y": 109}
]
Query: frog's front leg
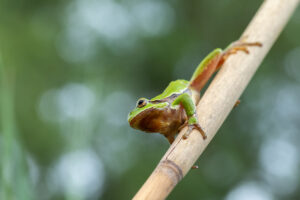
[{"x": 190, "y": 109}]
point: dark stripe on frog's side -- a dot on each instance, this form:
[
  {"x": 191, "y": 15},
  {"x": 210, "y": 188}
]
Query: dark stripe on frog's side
[
  {"x": 178, "y": 85},
  {"x": 171, "y": 98}
]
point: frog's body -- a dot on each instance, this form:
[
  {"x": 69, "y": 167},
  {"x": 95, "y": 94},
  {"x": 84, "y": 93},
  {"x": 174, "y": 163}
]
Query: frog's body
[
  {"x": 168, "y": 112},
  {"x": 161, "y": 116}
]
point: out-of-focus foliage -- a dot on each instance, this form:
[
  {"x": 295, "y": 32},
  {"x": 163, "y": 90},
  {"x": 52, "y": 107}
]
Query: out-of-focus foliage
[{"x": 72, "y": 70}]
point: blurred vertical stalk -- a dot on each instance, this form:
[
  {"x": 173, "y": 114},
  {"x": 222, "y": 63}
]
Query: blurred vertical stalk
[
  {"x": 14, "y": 178},
  {"x": 7, "y": 134}
]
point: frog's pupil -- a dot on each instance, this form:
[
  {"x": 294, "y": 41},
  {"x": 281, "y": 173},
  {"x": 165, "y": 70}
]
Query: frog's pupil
[{"x": 141, "y": 102}]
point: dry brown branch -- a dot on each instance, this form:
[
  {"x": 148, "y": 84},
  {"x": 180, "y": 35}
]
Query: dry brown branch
[{"x": 219, "y": 99}]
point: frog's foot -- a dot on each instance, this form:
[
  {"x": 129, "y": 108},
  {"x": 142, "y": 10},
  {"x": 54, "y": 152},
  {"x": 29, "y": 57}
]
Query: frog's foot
[
  {"x": 237, "y": 46},
  {"x": 195, "y": 167},
  {"x": 237, "y": 103},
  {"x": 191, "y": 127}
]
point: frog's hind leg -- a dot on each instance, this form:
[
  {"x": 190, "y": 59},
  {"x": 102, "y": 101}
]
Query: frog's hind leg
[
  {"x": 205, "y": 70},
  {"x": 213, "y": 61}
]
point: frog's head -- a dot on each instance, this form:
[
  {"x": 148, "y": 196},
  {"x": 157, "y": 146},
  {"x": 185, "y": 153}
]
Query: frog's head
[{"x": 144, "y": 108}]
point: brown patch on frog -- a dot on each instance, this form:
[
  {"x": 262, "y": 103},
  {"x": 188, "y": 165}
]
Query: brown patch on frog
[{"x": 165, "y": 121}]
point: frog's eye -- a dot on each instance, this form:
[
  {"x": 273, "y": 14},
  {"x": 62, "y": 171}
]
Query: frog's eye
[{"x": 141, "y": 102}]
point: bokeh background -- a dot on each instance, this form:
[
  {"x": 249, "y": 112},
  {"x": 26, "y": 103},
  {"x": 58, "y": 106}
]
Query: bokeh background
[{"x": 72, "y": 70}]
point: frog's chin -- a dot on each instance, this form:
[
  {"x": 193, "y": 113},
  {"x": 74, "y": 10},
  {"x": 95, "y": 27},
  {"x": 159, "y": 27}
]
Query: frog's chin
[
  {"x": 158, "y": 120},
  {"x": 138, "y": 122}
]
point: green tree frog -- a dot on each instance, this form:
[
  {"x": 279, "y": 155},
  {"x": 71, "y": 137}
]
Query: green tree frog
[{"x": 175, "y": 108}]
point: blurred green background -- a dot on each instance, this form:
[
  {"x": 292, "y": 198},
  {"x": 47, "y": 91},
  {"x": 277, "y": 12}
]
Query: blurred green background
[{"x": 72, "y": 70}]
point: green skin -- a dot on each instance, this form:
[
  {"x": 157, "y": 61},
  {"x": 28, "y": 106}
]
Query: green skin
[{"x": 175, "y": 108}]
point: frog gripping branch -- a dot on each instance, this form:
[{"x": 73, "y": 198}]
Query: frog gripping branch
[{"x": 175, "y": 108}]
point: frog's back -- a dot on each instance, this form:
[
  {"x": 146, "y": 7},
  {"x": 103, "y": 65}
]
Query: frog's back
[{"x": 174, "y": 87}]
